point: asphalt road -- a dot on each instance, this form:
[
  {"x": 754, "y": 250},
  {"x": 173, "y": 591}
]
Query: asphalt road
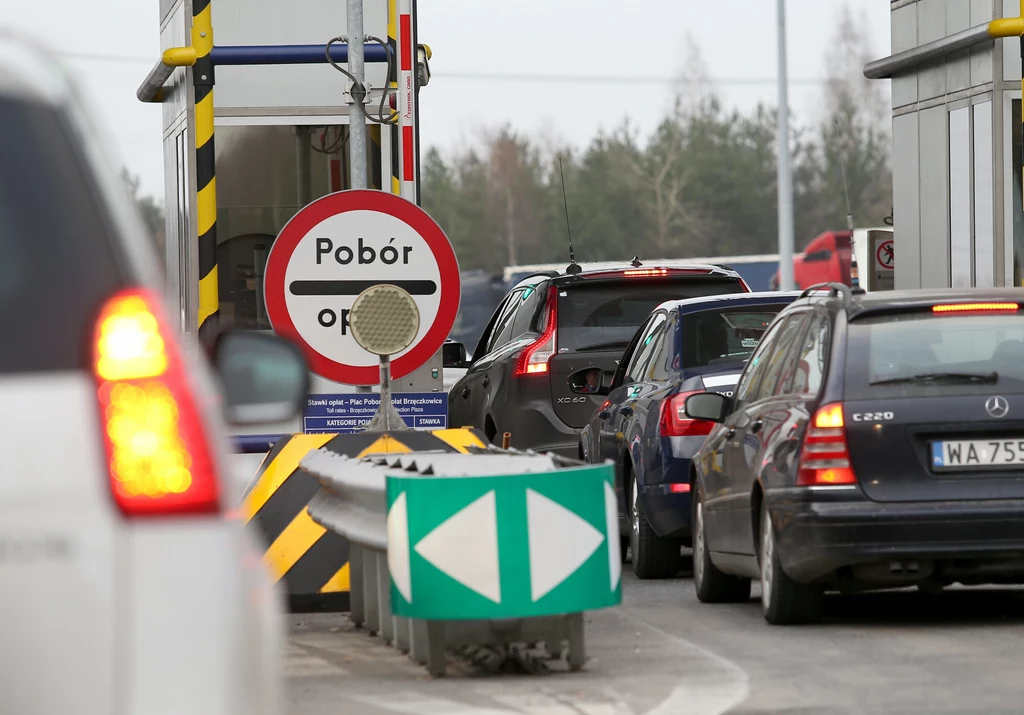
[{"x": 664, "y": 653}]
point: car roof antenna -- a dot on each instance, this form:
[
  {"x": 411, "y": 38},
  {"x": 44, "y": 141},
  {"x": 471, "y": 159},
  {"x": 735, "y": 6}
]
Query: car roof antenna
[
  {"x": 573, "y": 268},
  {"x": 854, "y": 268}
]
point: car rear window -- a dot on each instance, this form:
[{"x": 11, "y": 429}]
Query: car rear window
[
  {"x": 724, "y": 336},
  {"x": 56, "y": 265},
  {"x": 914, "y": 354},
  {"x": 607, "y": 314}
]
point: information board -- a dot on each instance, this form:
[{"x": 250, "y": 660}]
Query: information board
[{"x": 348, "y": 413}]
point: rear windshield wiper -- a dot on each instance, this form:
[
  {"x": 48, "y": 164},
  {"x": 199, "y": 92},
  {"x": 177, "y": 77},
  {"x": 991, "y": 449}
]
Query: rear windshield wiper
[
  {"x": 603, "y": 346},
  {"x": 942, "y": 376}
]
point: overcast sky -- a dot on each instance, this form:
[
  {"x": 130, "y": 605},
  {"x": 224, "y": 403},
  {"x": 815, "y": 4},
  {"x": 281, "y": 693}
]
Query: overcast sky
[{"x": 569, "y": 67}]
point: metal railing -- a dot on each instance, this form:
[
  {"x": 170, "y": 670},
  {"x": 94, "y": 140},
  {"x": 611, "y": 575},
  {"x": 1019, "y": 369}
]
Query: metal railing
[{"x": 352, "y": 502}]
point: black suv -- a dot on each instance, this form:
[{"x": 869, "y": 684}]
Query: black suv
[
  {"x": 556, "y": 338},
  {"x": 873, "y": 441}
]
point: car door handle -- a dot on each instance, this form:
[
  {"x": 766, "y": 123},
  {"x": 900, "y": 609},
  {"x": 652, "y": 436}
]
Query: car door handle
[
  {"x": 465, "y": 393},
  {"x": 756, "y": 427},
  {"x": 487, "y": 381}
]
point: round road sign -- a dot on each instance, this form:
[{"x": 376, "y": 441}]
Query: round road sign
[
  {"x": 885, "y": 256},
  {"x": 337, "y": 247}
]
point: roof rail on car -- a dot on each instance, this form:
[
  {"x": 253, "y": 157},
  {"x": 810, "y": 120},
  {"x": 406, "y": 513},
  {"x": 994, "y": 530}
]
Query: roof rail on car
[{"x": 834, "y": 289}]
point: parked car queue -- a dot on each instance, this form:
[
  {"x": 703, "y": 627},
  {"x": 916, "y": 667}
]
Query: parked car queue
[{"x": 813, "y": 442}]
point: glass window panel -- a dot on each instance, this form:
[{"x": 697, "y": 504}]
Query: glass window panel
[{"x": 960, "y": 197}]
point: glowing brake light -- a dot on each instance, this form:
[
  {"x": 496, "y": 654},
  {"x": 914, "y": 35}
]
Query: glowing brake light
[
  {"x": 973, "y": 307},
  {"x": 158, "y": 457},
  {"x": 674, "y": 421},
  {"x": 533, "y": 360},
  {"x": 825, "y": 457},
  {"x": 646, "y": 272}
]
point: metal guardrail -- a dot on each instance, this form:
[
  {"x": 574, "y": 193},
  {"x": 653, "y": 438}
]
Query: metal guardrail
[{"x": 352, "y": 501}]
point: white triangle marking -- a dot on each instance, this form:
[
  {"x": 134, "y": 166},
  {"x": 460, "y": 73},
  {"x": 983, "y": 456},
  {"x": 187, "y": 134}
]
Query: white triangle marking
[
  {"x": 560, "y": 542},
  {"x": 398, "y": 547},
  {"x": 465, "y": 546},
  {"x": 611, "y": 515}
]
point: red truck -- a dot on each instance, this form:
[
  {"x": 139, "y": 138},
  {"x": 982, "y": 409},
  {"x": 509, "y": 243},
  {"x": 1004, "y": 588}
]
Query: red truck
[{"x": 826, "y": 258}]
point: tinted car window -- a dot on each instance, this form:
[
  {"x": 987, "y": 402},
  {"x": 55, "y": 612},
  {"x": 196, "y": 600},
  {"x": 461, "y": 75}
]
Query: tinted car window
[
  {"x": 56, "y": 259},
  {"x": 663, "y": 366},
  {"x": 888, "y": 349},
  {"x": 781, "y": 360},
  {"x": 811, "y": 361},
  {"x": 526, "y": 315},
  {"x": 644, "y": 349},
  {"x": 503, "y": 326},
  {"x": 746, "y": 389},
  {"x": 725, "y": 335},
  {"x": 609, "y": 313}
]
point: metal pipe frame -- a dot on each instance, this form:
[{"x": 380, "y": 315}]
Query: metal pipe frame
[
  {"x": 903, "y": 62},
  {"x": 151, "y": 89}
]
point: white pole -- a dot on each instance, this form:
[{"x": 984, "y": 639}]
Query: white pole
[
  {"x": 785, "y": 179},
  {"x": 356, "y": 109}
]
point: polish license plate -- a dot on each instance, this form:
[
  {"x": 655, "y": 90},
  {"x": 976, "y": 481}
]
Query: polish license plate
[{"x": 978, "y": 453}]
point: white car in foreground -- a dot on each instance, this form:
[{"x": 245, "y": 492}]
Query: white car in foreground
[{"x": 127, "y": 584}]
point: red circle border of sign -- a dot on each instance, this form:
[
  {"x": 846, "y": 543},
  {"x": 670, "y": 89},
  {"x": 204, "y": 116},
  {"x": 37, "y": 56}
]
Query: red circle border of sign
[
  {"x": 363, "y": 200},
  {"x": 878, "y": 255}
]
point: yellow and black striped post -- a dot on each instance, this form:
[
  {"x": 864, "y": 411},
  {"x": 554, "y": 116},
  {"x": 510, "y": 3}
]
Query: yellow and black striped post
[
  {"x": 312, "y": 562},
  {"x": 396, "y": 186},
  {"x": 206, "y": 183}
]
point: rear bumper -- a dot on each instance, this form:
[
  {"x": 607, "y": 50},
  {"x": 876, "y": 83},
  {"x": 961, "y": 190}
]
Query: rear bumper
[
  {"x": 667, "y": 512},
  {"x": 820, "y": 532}
]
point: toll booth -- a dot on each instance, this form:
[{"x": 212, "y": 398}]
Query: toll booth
[
  {"x": 279, "y": 140},
  {"x": 956, "y": 132}
]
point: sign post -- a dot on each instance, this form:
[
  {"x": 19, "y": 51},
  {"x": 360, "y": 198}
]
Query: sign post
[{"x": 883, "y": 261}]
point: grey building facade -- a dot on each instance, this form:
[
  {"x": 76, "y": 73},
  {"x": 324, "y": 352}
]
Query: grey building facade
[{"x": 956, "y": 98}]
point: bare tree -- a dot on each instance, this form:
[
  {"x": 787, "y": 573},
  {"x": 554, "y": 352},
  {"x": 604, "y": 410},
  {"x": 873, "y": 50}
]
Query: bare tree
[{"x": 694, "y": 87}]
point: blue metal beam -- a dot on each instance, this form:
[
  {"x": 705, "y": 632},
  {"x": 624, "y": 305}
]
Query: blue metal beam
[{"x": 290, "y": 54}]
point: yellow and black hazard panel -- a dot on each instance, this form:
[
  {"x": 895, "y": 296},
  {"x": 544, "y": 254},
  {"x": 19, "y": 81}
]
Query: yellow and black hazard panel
[{"x": 312, "y": 561}]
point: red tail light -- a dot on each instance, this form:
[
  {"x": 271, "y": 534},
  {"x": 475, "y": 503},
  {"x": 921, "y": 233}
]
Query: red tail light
[
  {"x": 825, "y": 457},
  {"x": 534, "y": 358},
  {"x": 158, "y": 457},
  {"x": 974, "y": 307},
  {"x": 675, "y": 423}
]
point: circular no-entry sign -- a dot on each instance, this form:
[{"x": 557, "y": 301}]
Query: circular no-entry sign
[
  {"x": 335, "y": 248},
  {"x": 885, "y": 256}
]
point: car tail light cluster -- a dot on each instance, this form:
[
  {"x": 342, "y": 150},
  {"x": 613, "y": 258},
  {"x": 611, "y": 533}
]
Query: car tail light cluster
[
  {"x": 675, "y": 423},
  {"x": 159, "y": 460},
  {"x": 533, "y": 360},
  {"x": 825, "y": 457}
]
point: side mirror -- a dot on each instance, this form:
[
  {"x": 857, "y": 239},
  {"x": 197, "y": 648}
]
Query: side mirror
[
  {"x": 590, "y": 381},
  {"x": 453, "y": 355},
  {"x": 263, "y": 378},
  {"x": 710, "y": 406}
]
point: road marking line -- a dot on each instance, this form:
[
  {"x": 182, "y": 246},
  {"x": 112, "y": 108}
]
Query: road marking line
[{"x": 719, "y": 695}]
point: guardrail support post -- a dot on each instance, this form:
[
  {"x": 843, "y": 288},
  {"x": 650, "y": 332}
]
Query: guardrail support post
[
  {"x": 355, "y": 570},
  {"x": 437, "y": 663},
  {"x": 577, "y": 646},
  {"x": 387, "y": 623},
  {"x": 370, "y": 604},
  {"x": 403, "y": 633},
  {"x": 419, "y": 649}
]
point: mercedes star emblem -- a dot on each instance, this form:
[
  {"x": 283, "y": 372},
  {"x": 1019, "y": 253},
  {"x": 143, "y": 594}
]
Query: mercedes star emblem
[{"x": 997, "y": 406}]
